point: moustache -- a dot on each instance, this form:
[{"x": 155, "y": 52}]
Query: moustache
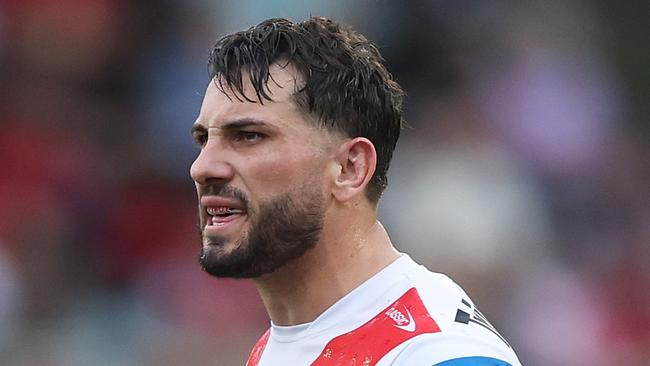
[{"x": 226, "y": 191}]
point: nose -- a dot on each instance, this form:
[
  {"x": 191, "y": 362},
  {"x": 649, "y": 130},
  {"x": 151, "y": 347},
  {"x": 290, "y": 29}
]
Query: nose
[{"x": 210, "y": 164}]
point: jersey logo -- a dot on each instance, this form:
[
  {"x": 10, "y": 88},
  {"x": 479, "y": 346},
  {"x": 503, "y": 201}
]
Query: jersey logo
[{"x": 402, "y": 320}]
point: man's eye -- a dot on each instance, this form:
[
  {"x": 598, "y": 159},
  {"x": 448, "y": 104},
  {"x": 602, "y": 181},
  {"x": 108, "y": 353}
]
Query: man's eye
[{"x": 248, "y": 136}]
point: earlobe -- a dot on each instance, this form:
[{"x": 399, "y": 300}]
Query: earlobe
[{"x": 358, "y": 159}]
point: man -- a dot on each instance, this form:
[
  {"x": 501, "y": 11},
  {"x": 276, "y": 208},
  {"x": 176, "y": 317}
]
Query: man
[{"x": 296, "y": 130}]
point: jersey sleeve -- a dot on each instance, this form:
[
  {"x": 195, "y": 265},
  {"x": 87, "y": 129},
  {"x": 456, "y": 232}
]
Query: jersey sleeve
[{"x": 456, "y": 350}]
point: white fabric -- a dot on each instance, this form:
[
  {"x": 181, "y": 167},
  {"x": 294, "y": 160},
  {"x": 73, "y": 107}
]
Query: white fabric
[{"x": 302, "y": 344}]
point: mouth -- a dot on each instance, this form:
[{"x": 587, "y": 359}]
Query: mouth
[{"x": 222, "y": 216}]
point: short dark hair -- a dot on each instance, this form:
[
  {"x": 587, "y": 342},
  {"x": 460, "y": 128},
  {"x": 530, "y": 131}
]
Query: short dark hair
[{"x": 347, "y": 87}]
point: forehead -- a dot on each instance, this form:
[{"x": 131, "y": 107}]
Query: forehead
[{"x": 222, "y": 106}]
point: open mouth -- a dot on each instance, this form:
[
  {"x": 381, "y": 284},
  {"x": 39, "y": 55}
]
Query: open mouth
[{"x": 221, "y": 215}]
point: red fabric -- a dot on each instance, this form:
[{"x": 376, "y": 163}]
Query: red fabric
[
  {"x": 258, "y": 349},
  {"x": 366, "y": 345},
  {"x": 404, "y": 319}
]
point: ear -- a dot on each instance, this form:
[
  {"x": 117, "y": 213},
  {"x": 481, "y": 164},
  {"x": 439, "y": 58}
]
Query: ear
[{"x": 357, "y": 159}]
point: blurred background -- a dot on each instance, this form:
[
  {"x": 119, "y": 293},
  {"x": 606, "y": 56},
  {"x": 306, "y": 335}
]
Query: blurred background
[{"x": 524, "y": 174}]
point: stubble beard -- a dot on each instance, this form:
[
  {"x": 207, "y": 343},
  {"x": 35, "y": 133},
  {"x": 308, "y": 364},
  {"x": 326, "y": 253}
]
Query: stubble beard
[{"x": 281, "y": 230}]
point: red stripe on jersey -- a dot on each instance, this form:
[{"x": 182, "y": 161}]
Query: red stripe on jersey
[
  {"x": 365, "y": 346},
  {"x": 258, "y": 349}
]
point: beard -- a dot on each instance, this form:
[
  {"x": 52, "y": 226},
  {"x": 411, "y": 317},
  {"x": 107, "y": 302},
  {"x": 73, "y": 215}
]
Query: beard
[{"x": 281, "y": 230}]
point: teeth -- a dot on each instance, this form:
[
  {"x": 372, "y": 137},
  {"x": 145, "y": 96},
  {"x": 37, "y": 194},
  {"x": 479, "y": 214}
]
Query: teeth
[{"x": 223, "y": 210}]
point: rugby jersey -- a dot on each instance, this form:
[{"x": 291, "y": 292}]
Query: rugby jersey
[{"x": 405, "y": 315}]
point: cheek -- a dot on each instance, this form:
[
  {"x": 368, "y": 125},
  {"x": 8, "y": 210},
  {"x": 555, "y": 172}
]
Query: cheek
[{"x": 275, "y": 173}]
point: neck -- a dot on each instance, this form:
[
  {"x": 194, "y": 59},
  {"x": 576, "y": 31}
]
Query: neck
[{"x": 345, "y": 256}]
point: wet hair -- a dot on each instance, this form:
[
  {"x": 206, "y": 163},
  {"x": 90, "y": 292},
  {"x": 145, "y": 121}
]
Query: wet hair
[{"x": 347, "y": 87}]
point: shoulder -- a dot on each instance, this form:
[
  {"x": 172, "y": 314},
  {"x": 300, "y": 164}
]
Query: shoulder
[
  {"x": 466, "y": 337},
  {"x": 439, "y": 292},
  {"x": 455, "y": 350}
]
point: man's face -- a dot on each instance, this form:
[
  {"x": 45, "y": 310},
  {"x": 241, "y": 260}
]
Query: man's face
[{"x": 259, "y": 178}]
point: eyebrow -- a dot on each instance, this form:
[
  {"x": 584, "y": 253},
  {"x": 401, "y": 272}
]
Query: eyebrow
[
  {"x": 233, "y": 125},
  {"x": 197, "y": 127}
]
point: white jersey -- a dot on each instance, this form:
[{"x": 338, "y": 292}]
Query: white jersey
[{"x": 405, "y": 315}]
